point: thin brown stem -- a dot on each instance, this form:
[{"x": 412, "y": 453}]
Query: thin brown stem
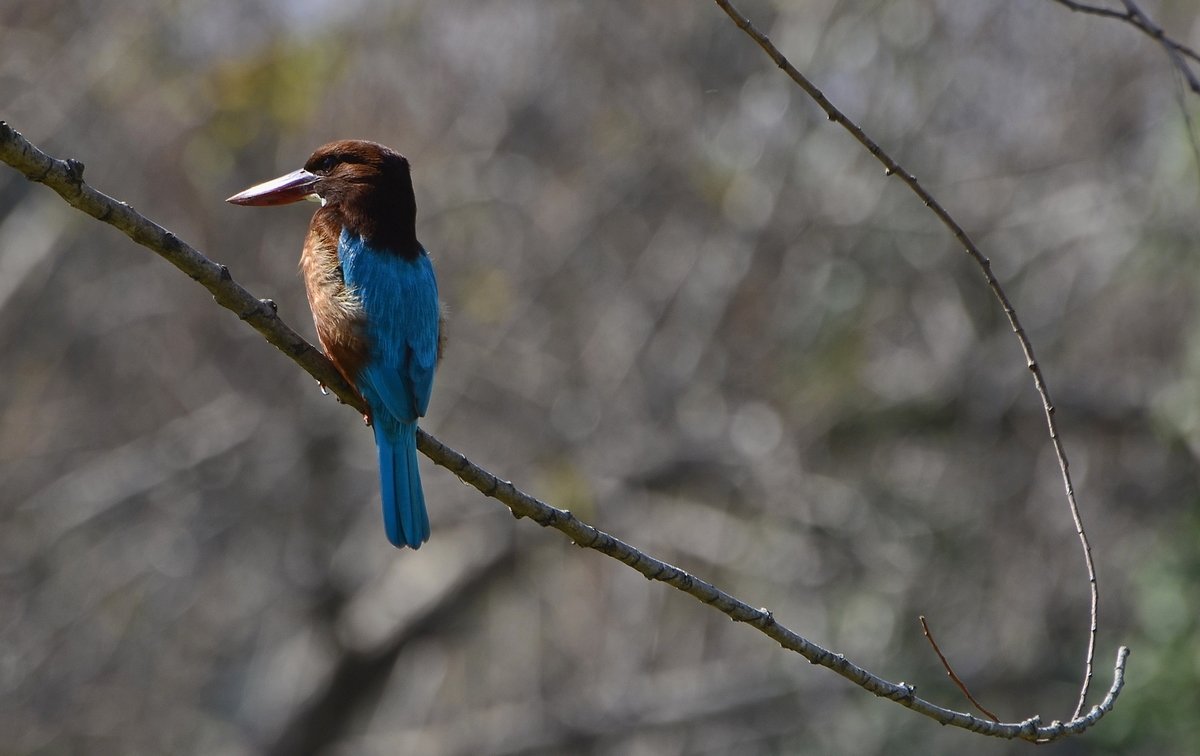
[{"x": 950, "y": 670}]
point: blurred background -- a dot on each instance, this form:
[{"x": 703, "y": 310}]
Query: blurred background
[{"x": 681, "y": 304}]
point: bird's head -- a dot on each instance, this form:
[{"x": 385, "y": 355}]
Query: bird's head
[{"x": 367, "y": 185}]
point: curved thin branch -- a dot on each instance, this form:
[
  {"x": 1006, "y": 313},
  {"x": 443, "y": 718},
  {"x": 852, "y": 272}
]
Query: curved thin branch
[
  {"x": 1178, "y": 52},
  {"x": 66, "y": 178},
  {"x": 892, "y": 168}
]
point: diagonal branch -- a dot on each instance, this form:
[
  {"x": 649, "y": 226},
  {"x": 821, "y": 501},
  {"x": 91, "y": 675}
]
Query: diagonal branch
[
  {"x": 66, "y": 178},
  {"x": 1178, "y": 52},
  {"x": 892, "y": 168}
]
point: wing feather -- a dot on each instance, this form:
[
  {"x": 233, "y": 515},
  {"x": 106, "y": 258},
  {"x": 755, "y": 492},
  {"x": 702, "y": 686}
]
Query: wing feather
[{"x": 400, "y": 300}]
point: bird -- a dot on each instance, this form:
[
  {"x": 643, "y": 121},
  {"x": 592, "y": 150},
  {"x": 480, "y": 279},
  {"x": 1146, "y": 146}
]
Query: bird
[{"x": 374, "y": 301}]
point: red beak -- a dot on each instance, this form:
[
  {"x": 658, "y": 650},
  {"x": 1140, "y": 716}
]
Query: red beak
[{"x": 293, "y": 187}]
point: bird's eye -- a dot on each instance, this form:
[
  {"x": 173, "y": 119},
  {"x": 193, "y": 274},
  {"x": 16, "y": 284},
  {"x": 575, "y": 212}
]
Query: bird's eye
[{"x": 326, "y": 164}]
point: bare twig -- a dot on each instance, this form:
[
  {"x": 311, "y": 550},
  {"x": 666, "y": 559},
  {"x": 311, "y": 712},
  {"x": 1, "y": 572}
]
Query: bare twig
[
  {"x": 66, "y": 178},
  {"x": 1178, "y": 52},
  {"x": 950, "y": 671},
  {"x": 891, "y": 167}
]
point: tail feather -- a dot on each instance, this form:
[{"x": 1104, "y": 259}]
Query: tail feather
[{"x": 404, "y": 514}]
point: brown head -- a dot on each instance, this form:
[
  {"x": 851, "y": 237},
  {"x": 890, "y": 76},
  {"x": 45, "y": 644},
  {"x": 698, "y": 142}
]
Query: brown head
[{"x": 366, "y": 188}]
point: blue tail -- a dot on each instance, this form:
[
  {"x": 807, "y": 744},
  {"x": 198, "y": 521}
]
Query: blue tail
[{"x": 404, "y": 513}]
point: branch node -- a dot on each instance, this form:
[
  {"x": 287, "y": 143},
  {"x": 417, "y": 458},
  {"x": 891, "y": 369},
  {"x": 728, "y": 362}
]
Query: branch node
[
  {"x": 75, "y": 170},
  {"x": 493, "y": 488}
]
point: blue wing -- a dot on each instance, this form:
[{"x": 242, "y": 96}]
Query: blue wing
[{"x": 400, "y": 300}]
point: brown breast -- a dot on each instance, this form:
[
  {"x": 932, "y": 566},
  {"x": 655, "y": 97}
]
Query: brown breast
[{"x": 337, "y": 311}]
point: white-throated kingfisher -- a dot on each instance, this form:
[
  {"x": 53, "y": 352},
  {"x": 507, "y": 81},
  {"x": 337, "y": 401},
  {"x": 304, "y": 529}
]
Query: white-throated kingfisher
[{"x": 374, "y": 301}]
